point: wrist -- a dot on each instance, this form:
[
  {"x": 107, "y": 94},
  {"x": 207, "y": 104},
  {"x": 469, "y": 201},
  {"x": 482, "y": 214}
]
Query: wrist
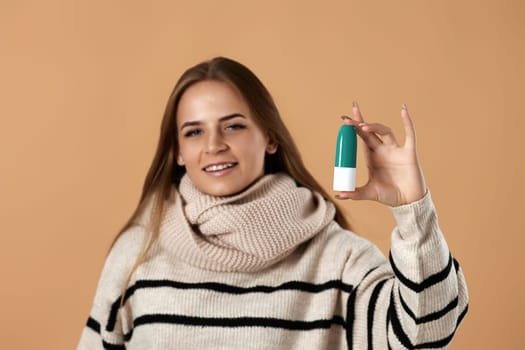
[{"x": 413, "y": 197}]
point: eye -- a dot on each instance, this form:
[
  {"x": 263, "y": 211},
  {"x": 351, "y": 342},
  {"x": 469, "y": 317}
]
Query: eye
[
  {"x": 193, "y": 132},
  {"x": 236, "y": 126}
]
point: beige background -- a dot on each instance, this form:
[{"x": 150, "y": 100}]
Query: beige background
[{"x": 84, "y": 84}]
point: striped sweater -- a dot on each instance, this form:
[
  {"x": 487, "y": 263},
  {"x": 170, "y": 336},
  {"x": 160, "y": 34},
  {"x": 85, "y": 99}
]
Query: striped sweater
[{"x": 334, "y": 291}]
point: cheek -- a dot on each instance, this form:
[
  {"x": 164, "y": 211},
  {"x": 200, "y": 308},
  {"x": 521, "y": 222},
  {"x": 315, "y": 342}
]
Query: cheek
[
  {"x": 186, "y": 154},
  {"x": 255, "y": 149}
]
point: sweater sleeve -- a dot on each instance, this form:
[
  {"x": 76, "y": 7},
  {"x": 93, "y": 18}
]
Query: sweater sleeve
[
  {"x": 107, "y": 325},
  {"x": 418, "y": 300}
]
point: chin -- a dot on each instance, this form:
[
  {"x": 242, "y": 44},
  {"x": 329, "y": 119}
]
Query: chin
[
  {"x": 225, "y": 190},
  {"x": 222, "y": 192},
  {"x": 216, "y": 189},
  {"x": 225, "y": 187}
]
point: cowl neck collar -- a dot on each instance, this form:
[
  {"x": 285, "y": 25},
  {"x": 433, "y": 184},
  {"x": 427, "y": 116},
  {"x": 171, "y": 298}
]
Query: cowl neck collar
[{"x": 244, "y": 232}]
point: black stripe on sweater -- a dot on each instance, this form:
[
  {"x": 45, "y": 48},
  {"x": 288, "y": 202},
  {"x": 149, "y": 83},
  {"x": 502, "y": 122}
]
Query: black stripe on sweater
[
  {"x": 93, "y": 324},
  {"x": 432, "y": 316},
  {"x": 462, "y": 316},
  {"x": 403, "y": 337},
  {"x": 456, "y": 265},
  {"x": 224, "y": 288},
  {"x": 127, "y": 336},
  {"x": 109, "y": 346},
  {"x": 350, "y": 311},
  {"x": 371, "y": 310},
  {"x": 426, "y": 283},
  {"x": 350, "y": 316},
  {"x": 388, "y": 323},
  {"x": 238, "y": 322},
  {"x": 369, "y": 272}
]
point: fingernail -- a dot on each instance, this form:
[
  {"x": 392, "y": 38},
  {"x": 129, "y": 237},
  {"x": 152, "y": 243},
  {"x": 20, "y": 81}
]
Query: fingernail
[
  {"x": 341, "y": 198},
  {"x": 354, "y": 103},
  {"x": 345, "y": 117},
  {"x": 404, "y": 106}
]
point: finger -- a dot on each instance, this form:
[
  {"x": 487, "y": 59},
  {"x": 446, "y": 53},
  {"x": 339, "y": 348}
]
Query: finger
[
  {"x": 360, "y": 193},
  {"x": 349, "y": 121},
  {"x": 384, "y": 131},
  {"x": 347, "y": 195},
  {"x": 410, "y": 132},
  {"x": 356, "y": 112},
  {"x": 370, "y": 139}
]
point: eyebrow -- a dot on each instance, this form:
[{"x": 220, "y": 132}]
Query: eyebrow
[{"x": 221, "y": 119}]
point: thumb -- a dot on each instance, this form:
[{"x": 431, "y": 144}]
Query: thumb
[{"x": 360, "y": 193}]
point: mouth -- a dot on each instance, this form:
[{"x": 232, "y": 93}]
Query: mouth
[{"x": 218, "y": 167}]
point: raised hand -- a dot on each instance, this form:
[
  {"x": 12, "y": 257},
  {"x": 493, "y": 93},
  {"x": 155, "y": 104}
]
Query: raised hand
[{"x": 394, "y": 173}]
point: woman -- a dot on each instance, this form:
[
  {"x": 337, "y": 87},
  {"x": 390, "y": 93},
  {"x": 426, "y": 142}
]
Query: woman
[{"x": 234, "y": 245}]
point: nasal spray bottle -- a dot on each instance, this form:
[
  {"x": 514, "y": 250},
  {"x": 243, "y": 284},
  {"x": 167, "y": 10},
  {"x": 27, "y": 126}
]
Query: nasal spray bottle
[{"x": 345, "y": 159}]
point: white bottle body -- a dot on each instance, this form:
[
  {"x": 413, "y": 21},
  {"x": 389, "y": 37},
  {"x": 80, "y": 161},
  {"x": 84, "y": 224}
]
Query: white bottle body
[{"x": 344, "y": 179}]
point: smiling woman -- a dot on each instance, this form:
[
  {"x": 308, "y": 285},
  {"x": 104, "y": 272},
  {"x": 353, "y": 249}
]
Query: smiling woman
[
  {"x": 234, "y": 245},
  {"x": 220, "y": 143}
]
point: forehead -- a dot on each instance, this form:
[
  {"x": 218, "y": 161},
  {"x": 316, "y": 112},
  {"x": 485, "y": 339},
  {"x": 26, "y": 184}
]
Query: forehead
[{"x": 207, "y": 99}]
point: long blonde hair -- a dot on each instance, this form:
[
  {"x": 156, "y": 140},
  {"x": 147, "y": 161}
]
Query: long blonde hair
[{"x": 164, "y": 171}]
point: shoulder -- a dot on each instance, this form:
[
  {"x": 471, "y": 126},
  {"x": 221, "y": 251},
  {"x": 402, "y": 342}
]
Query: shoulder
[
  {"x": 336, "y": 238},
  {"x": 127, "y": 248},
  {"x": 129, "y": 241},
  {"x": 121, "y": 259},
  {"x": 346, "y": 252}
]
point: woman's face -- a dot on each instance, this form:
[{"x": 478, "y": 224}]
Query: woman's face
[{"x": 220, "y": 144}]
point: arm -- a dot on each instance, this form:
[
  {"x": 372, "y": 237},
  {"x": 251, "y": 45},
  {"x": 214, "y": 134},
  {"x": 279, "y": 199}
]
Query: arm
[
  {"x": 107, "y": 323},
  {"x": 415, "y": 301},
  {"x": 421, "y": 304},
  {"x": 428, "y": 297}
]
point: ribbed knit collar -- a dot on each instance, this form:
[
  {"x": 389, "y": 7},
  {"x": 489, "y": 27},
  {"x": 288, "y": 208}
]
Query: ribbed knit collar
[{"x": 244, "y": 232}]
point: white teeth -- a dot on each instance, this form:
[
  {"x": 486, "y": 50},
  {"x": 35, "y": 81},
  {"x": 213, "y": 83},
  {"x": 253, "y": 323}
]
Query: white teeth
[{"x": 219, "y": 167}]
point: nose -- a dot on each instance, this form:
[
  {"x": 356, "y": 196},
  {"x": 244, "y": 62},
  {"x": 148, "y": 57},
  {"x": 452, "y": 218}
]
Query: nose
[{"x": 215, "y": 143}]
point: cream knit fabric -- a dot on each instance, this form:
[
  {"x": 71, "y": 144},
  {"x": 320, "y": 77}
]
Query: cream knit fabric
[
  {"x": 245, "y": 232},
  {"x": 305, "y": 283}
]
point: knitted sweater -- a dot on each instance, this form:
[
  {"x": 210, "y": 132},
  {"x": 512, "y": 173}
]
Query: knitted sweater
[{"x": 333, "y": 291}]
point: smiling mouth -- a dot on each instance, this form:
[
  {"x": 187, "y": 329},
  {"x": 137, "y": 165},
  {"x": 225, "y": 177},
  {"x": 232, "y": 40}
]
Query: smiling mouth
[{"x": 217, "y": 167}]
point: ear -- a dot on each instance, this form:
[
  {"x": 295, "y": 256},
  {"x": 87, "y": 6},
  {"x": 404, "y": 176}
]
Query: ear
[
  {"x": 271, "y": 148},
  {"x": 180, "y": 161}
]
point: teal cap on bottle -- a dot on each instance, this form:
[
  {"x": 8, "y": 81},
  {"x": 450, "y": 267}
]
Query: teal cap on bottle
[
  {"x": 345, "y": 159},
  {"x": 345, "y": 152}
]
